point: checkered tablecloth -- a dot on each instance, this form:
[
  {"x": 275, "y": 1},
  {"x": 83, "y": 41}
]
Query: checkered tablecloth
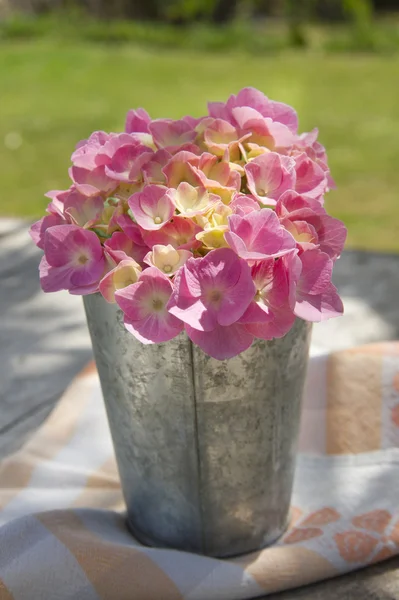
[{"x": 63, "y": 533}]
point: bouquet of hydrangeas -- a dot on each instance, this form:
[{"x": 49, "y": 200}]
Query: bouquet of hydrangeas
[{"x": 213, "y": 225}]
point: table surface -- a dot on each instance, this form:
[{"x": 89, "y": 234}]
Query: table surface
[{"x": 44, "y": 342}]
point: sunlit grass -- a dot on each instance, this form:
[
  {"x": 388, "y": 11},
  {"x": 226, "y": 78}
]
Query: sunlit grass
[{"x": 53, "y": 94}]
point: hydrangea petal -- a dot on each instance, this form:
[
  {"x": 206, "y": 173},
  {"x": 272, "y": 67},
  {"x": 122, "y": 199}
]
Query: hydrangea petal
[
  {"x": 131, "y": 229},
  {"x": 222, "y": 343},
  {"x": 218, "y": 135},
  {"x": 153, "y": 207},
  {"x": 316, "y": 272},
  {"x": 179, "y": 232},
  {"x": 125, "y": 273},
  {"x": 145, "y": 307},
  {"x": 273, "y": 280},
  {"x": 171, "y": 134},
  {"x": 311, "y": 180},
  {"x": 87, "y": 150},
  {"x": 264, "y": 131},
  {"x": 242, "y": 204},
  {"x": 216, "y": 289},
  {"x": 90, "y": 183},
  {"x": 167, "y": 259},
  {"x": 153, "y": 169},
  {"x": 122, "y": 247},
  {"x": 116, "y": 142},
  {"x": 213, "y": 238},
  {"x": 258, "y": 235},
  {"x": 316, "y": 308},
  {"x": 127, "y": 162},
  {"x": 38, "y": 229},
  {"x": 317, "y": 298},
  {"x": 278, "y": 326},
  {"x": 83, "y": 210},
  {"x": 183, "y": 167},
  {"x": 73, "y": 257},
  {"x": 191, "y": 201},
  {"x": 54, "y": 279},
  {"x": 330, "y": 232},
  {"x": 269, "y": 176},
  {"x": 253, "y": 98},
  {"x": 137, "y": 121}
]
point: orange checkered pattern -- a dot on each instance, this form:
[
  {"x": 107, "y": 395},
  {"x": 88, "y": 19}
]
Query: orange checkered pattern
[{"x": 63, "y": 533}]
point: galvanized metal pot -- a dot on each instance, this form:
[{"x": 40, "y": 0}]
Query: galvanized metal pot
[{"x": 205, "y": 449}]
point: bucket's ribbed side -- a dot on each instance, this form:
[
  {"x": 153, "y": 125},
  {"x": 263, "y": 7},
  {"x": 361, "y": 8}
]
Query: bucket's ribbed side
[
  {"x": 248, "y": 412},
  {"x": 205, "y": 448},
  {"x": 149, "y": 397}
]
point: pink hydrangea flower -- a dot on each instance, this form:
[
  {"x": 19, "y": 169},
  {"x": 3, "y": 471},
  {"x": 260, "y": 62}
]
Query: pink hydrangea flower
[
  {"x": 183, "y": 166},
  {"x": 168, "y": 218},
  {"x": 218, "y": 136},
  {"x": 125, "y": 273},
  {"x": 127, "y": 162},
  {"x": 87, "y": 150},
  {"x": 38, "y": 229},
  {"x": 73, "y": 260},
  {"x": 253, "y": 98},
  {"x": 144, "y": 305},
  {"x": 193, "y": 121},
  {"x": 137, "y": 125},
  {"x": 121, "y": 246},
  {"x": 132, "y": 230},
  {"x": 222, "y": 342},
  {"x": 170, "y": 134},
  {"x": 153, "y": 207},
  {"x": 311, "y": 180},
  {"x": 137, "y": 121},
  {"x": 114, "y": 209},
  {"x": 82, "y": 210},
  {"x": 307, "y": 142},
  {"x": 92, "y": 182},
  {"x": 242, "y": 204},
  {"x": 317, "y": 298},
  {"x": 269, "y": 176},
  {"x": 271, "y": 313},
  {"x": 191, "y": 201},
  {"x": 211, "y": 291},
  {"x": 167, "y": 259},
  {"x": 310, "y": 225},
  {"x": 218, "y": 176},
  {"x": 263, "y": 130},
  {"x": 112, "y": 145},
  {"x": 58, "y": 197},
  {"x": 179, "y": 232},
  {"x": 153, "y": 169},
  {"x": 258, "y": 235}
]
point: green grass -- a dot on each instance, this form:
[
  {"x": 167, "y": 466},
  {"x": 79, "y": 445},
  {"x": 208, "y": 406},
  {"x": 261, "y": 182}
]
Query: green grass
[
  {"x": 53, "y": 94},
  {"x": 238, "y": 36},
  {"x": 252, "y": 36}
]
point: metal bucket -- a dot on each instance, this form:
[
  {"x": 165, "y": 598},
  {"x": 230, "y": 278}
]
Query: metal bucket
[{"x": 205, "y": 448}]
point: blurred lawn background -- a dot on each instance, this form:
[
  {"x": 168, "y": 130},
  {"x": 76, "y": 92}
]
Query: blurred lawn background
[{"x": 62, "y": 78}]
